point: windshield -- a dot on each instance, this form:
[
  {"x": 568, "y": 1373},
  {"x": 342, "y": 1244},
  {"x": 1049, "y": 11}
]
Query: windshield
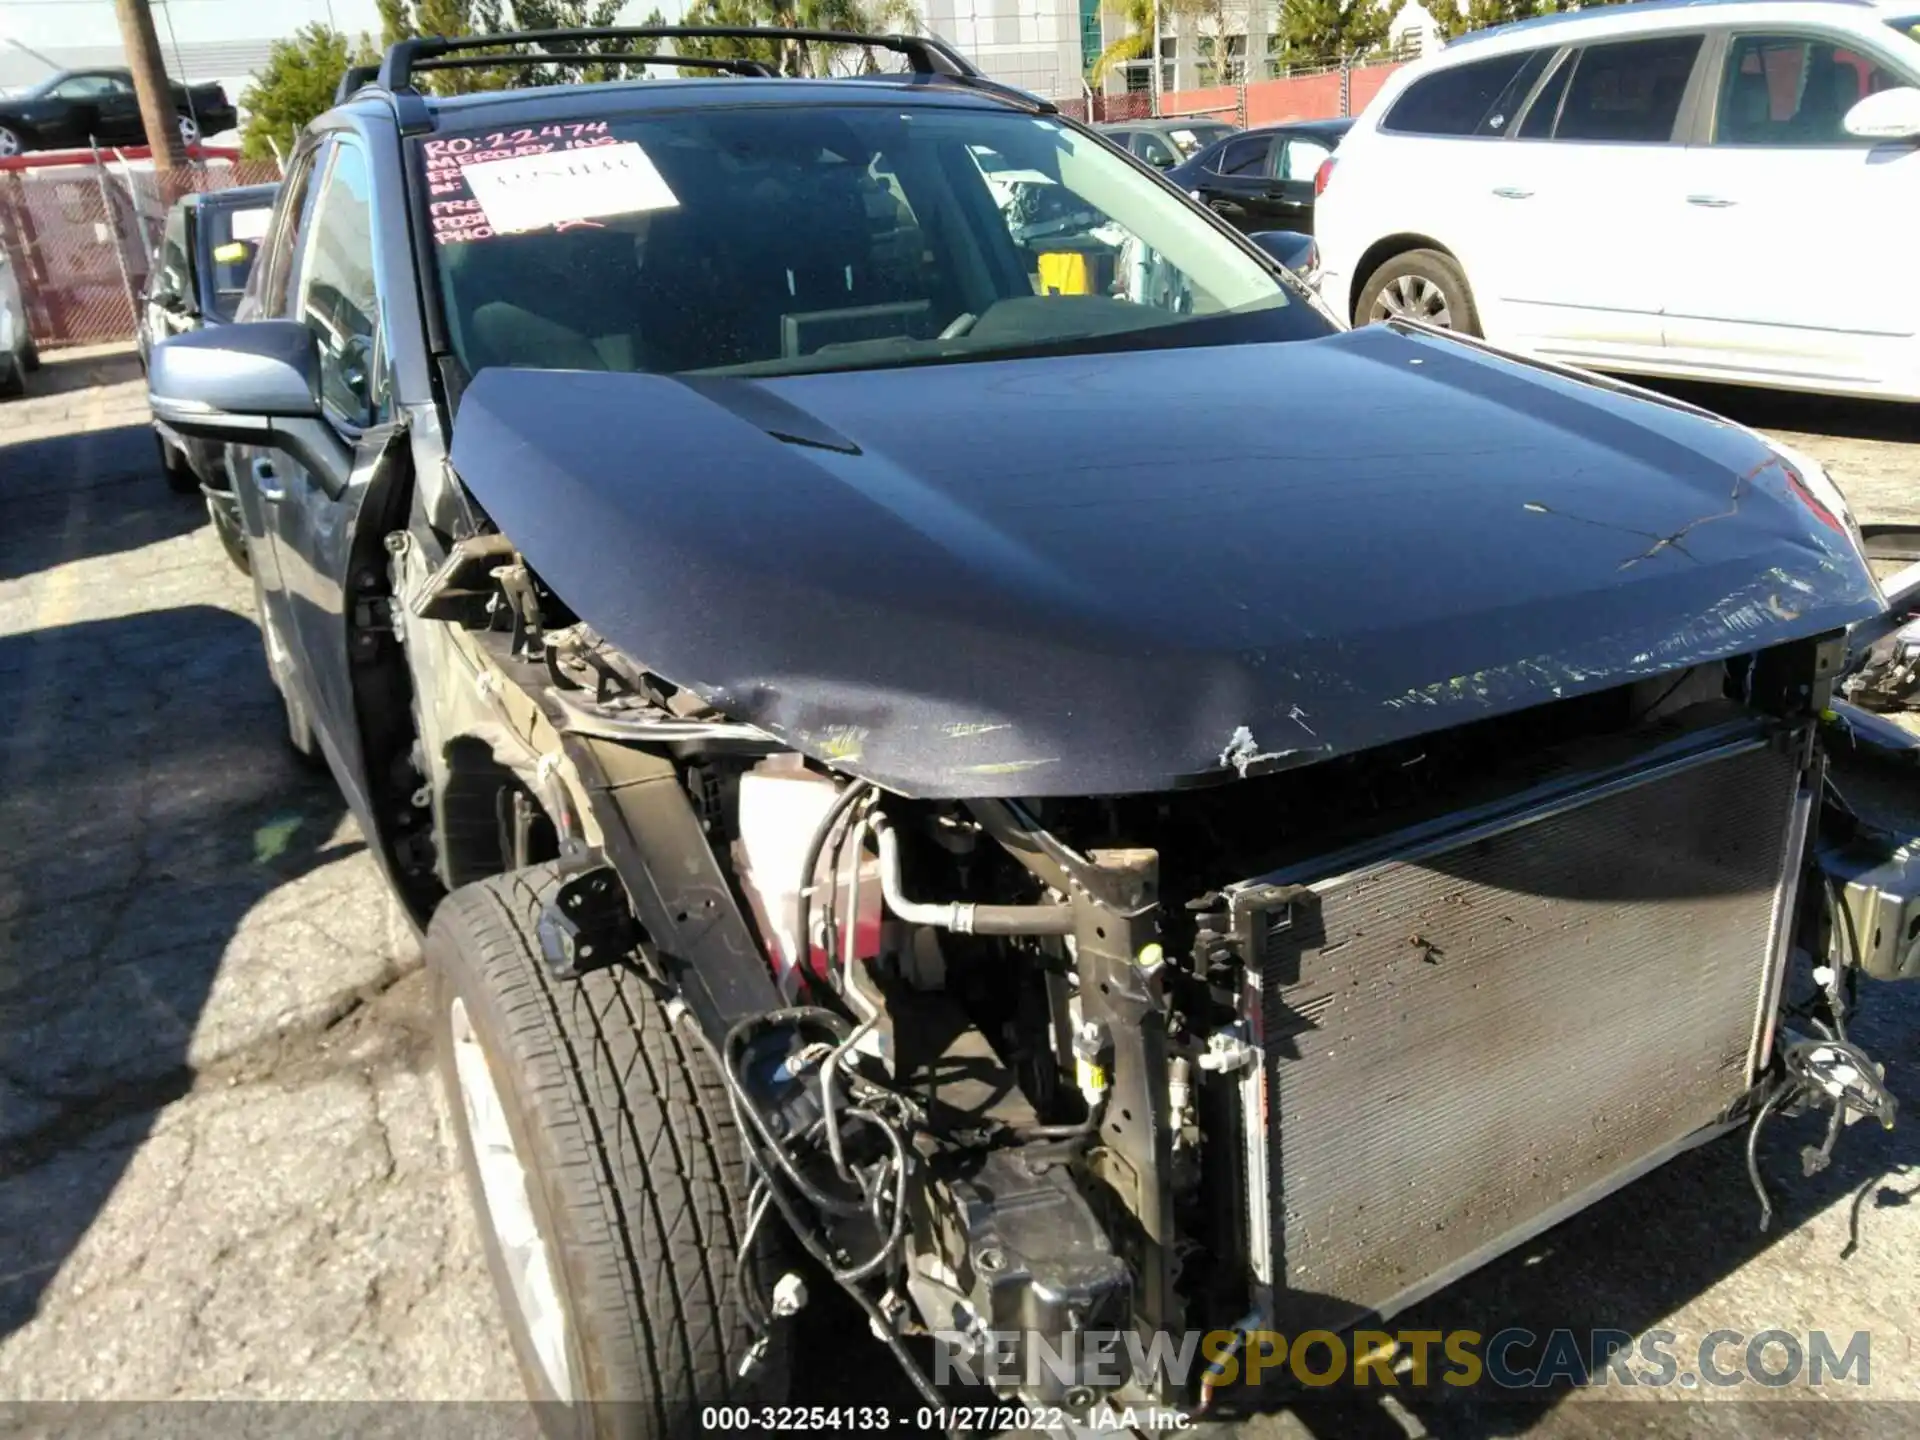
[
  {"x": 769, "y": 240},
  {"x": 232, "y": 235}
]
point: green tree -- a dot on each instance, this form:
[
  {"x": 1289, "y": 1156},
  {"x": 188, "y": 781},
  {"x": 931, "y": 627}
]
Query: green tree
[
  {"x": 1137, "y": 42},
  {"x": 1483, "y": 14},
  {"x": 1323, "y": 32},
  {"x": 403, "y": 19},
  {"x": 793, "y": 57},
  {"x": 296, "y": 84}
]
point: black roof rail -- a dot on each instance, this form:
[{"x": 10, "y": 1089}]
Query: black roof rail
[
  {"x": 926, "y": 55},
  {"x": 356, "y": 78},
  {"x": 757, "y": 69},
  {"x": 1012, "y": 94}
]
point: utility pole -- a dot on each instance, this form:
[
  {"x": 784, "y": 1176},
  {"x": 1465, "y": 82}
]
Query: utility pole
[
  {"x": 150, "y": 82},
  {"x": 1153, "y": 80}
]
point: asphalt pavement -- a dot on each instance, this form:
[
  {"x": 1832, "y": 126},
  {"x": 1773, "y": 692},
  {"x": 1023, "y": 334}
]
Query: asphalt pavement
[{"x": 226, "y": 1171}]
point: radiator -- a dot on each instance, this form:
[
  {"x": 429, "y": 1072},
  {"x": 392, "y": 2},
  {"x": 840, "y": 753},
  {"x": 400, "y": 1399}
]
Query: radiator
[{"x": 1471, "y": 1030}]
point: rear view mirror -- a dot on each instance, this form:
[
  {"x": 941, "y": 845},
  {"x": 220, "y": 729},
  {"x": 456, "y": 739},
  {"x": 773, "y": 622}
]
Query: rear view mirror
[
  {"x": 1889, "y": 115},
  {"x": 252, "y": 384}
]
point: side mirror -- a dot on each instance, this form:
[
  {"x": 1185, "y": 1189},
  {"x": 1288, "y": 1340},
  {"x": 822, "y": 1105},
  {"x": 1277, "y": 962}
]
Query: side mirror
[
  {"x": 252, "y": 384},
  {"x": 1292, "y": 249},
  {"x": 1889, "y": 115}
]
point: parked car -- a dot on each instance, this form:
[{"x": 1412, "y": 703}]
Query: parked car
[
  {"x": 1164, "y": 142},
  {"x": 196, "y": 279},
  {"x": 1264, "y": 179},
  {"x": 18, "y": 354},
  {"x": 1087, "y": 878},
  {"x": 73, "y": 107},
  {"x": 1487, "y": 189}
]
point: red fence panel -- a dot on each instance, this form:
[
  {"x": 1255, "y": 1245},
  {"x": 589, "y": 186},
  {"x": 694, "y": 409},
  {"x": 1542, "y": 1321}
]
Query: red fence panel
[{"x": 80, "y": 232}]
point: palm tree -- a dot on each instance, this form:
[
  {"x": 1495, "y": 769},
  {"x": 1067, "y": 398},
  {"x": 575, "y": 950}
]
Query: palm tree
[{"x": 1136, "y": 44}]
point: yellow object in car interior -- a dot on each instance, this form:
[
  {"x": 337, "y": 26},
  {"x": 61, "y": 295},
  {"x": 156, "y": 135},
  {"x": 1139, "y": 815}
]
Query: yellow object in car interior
[
  {"x": 231, "y": 253},
  {"x": 1065, "y": 272}
]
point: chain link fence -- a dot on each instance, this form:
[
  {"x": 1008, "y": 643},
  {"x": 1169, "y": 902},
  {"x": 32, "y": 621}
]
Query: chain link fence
[{"x": 81, "y": 231}]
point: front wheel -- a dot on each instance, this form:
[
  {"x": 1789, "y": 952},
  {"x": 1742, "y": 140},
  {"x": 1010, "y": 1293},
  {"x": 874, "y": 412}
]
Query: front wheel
[
  {"x": 226, "y": 527},
  {"x": 1426, "y": 286},
  {"x": 11, "y": 143},
  {"x": 189, "y": 130},
  {"x": 603, "y": 1162},
  {"x": 177, "y": 468}
]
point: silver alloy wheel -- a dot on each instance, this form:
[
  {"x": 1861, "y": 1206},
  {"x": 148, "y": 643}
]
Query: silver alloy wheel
[
  {"x": 503, "y": 1183},
  {"x": 9, "y": 143},
  {"x": 189, "y": 130},
  {"x": 1411, "y": 297}
]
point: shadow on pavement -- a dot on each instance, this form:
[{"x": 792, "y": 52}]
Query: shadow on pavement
[
  {"x": 65, "y": 372},
  {"x": 1891, "y": 420},
  {"x": 54, "y": 517},
  {"x": 148, "y": 803}
]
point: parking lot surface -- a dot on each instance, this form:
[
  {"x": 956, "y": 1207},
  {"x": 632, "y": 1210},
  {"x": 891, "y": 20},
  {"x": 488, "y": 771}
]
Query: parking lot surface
[{"x": 225, "y": 1168}]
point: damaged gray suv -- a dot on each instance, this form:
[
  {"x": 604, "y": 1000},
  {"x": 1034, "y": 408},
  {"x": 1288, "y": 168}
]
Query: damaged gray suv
[{"x": 878, "y": 810}]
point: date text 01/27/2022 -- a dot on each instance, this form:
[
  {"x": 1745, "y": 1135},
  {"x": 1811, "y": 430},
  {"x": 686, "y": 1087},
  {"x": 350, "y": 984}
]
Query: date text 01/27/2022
[{"x": 926, "y": 1419}]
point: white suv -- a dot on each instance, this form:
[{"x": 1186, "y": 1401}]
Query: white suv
[{"x": 1721, "y": 189}]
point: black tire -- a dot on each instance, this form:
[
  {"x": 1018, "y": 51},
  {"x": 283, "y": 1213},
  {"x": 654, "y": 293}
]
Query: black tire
[
  {"x": 12, "y": 143},
  {"x": 220, "y": 512},
  {"x": 180, "y": 477},
  {"x": 1427, "y": 273},
  {"x": 13, "y": 380},
  {"x": 188, "y": 129},
  {"x": 633, "y": 1165},
  {"x": 31, "y": 359}
]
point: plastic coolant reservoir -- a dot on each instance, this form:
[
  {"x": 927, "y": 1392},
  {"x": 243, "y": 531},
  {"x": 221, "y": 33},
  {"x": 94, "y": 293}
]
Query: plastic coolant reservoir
[{"x": 781, "y": 805}]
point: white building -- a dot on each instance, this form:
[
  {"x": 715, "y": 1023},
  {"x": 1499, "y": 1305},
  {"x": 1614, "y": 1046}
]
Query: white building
[{"x": 1412, "y": 30}]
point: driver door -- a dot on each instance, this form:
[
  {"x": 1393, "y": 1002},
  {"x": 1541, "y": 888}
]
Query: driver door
[
  {"x": 309, "y": 516},
  {"x": 1244, "y": 190}
]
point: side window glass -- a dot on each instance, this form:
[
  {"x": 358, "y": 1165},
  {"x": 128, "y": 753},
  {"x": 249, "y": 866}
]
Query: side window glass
[
  {"x": 1153, "y": 150},
  {"x": 1788, "y": 90},
  {"x": 173, "y": 278},
  {"x": 1545, "y": 109},
  {"x": 1244, "y": 157},
  {"x": 1301, "y": 160},
  {"x": 275, "y": 277},
  {"x": 1500, "y": 115},
  {"x": 1455, "y": 101},
  {"x": 1628, "y": 92},
  {"x": 335, "y": 295},
  {"x": 84, "y": 87}
]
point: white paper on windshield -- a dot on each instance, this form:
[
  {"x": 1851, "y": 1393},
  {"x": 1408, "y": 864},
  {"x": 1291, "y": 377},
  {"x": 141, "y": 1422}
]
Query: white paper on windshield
[
  {"x": 251, "y": 224},
  {"x": 1186, "y": 139},
  {"x": 530, "y": 192}
]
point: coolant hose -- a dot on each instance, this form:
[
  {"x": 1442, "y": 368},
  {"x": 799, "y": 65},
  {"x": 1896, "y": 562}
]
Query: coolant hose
[{"x": 959, "y": 916}]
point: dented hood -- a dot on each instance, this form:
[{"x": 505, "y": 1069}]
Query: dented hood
[{"x": 1124, "y": 572}]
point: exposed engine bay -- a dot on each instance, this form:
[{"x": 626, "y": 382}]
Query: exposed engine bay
[{"x": 1074, "y": 1070}]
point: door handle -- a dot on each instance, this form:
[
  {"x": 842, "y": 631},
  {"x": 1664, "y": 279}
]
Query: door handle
[
  {"x": 1512, "y": 192},
  {"x": 267, "y": 482},
  {"x": 1711, "y": 202}
]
